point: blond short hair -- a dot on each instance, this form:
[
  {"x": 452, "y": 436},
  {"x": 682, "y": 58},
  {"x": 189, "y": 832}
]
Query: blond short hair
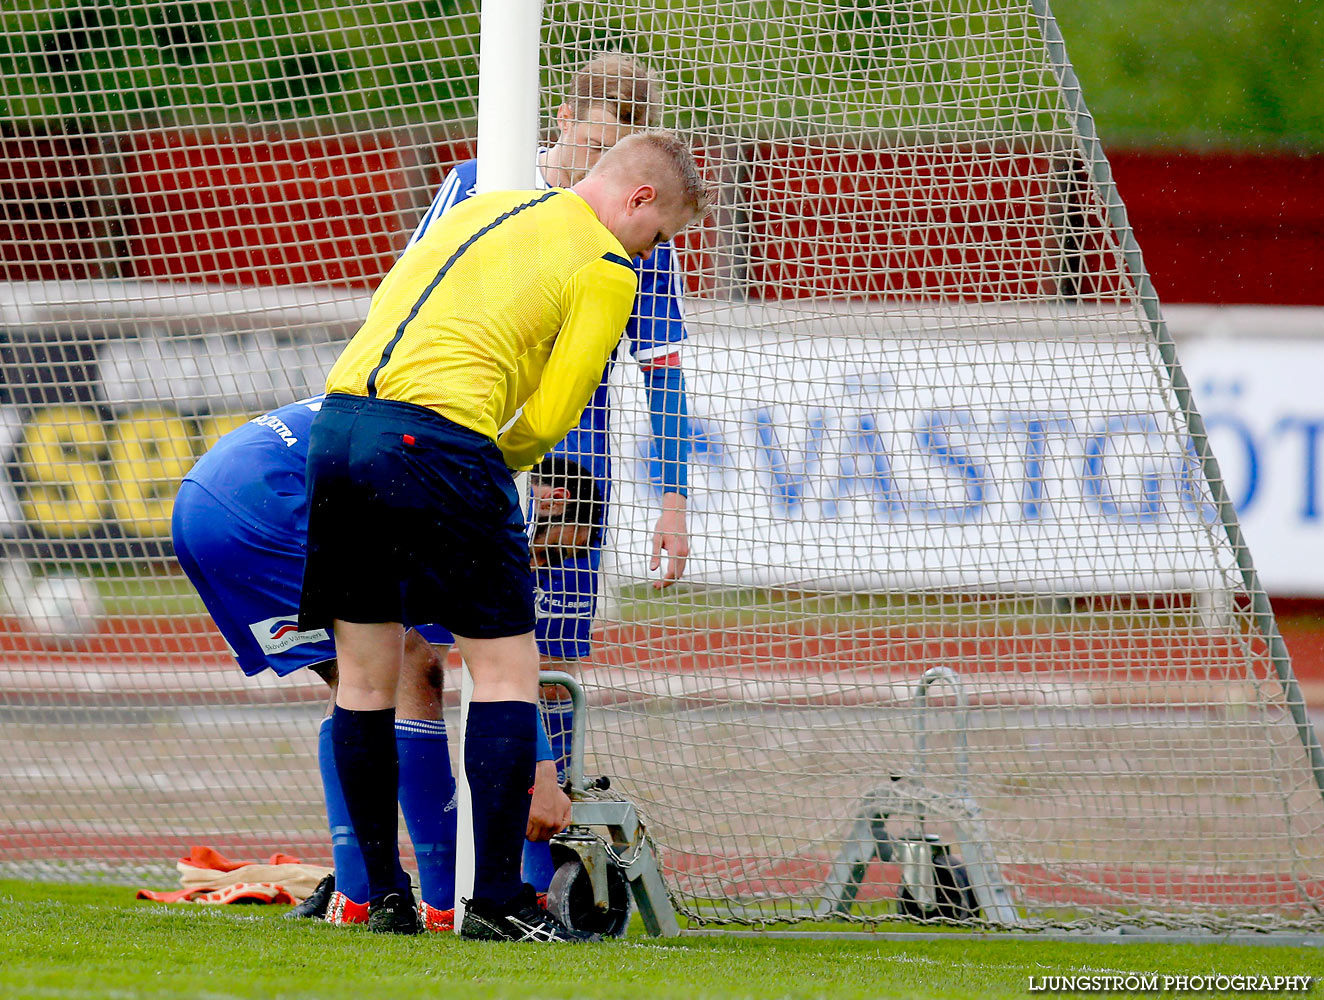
[
  {"x": 623, "y": 85},
  {"x": 665, "y": 150}
]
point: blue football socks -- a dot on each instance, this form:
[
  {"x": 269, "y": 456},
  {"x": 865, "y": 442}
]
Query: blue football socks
[
  {"x": 351, "y": 877},
  {"x": 427, "y": 798},
  {"x": 499, "y": 753},
  {"x": 426, "y": 793},
  {"x": 368, "y": 768}
]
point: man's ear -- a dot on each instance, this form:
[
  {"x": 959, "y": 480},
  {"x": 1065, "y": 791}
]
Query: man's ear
[
  {"x": 644, "y": 194},
  {"x": 565, "y": 116},
  {"x": 556, "y": 501}
]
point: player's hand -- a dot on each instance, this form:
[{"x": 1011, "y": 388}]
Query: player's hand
[
  {"x": 673, "y": 537},
  {"x": 549, "y": 812}
]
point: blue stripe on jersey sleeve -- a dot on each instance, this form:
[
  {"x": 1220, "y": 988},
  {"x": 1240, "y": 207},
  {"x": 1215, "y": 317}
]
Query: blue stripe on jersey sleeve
[
  {"x": 656, "y": 322},
  {"x": 668, "y": 414}
]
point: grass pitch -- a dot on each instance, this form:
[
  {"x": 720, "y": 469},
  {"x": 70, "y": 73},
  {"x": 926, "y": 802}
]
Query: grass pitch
[{"x": 85, "y": 942}]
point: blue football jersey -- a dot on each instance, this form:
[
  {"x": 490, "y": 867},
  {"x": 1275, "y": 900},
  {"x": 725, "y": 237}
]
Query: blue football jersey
[{"x": 258, "y": 470}]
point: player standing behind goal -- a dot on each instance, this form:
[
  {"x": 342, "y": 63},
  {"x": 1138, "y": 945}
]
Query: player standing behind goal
[
  {"x": 503, "y": 314},
  {"x": 240, "y": 531},
  {"x": 611, "y": 97}
]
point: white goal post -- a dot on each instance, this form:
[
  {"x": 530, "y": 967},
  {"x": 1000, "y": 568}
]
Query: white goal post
[{"x": 963, "y": 565}]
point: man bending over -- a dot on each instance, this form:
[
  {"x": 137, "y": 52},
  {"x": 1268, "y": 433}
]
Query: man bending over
[
  {"x": 503, "y": 315},
  {"x": 240, "y": 530}
]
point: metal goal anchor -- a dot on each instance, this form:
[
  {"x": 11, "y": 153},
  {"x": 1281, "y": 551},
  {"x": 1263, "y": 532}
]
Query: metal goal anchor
[
  {"x": 596, "y": 875},
  {"x": 932, "y": 882}
]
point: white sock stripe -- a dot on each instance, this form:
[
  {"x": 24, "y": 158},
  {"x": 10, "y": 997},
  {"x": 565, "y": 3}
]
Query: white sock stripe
[{"x": 421, "y": 727}]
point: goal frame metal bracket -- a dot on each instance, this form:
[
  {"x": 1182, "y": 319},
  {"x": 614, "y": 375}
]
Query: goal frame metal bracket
[
  {"x": 870, "y": 839},
  {"x": 627, "y": 845}
]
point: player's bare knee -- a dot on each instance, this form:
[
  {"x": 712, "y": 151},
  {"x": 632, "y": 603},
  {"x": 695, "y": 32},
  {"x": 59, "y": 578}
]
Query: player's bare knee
[
  {"x": 502, "y": 669},
  {"x": 327, "y": 671},
  {"x": 420, "y": 691},
  {"x": 365, "y": 690}
]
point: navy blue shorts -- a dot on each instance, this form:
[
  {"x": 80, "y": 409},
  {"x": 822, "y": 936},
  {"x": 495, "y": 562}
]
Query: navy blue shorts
[
  {"x": 412, "y": 518},
  {"x": 249, "y": 579}
]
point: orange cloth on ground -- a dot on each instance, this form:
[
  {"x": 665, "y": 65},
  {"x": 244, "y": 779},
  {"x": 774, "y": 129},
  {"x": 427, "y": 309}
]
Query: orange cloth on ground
[
  {"x": 207, "y": 876},
  {"x": 209, "y": 857},
  {"x": 240, "y": 892}
]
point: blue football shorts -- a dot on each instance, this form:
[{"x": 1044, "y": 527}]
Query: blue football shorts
[
  {"x": 565, "y": 599},
  {"x": 249, "y": 579}
]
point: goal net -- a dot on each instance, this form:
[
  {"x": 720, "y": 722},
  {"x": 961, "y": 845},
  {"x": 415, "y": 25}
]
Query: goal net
[{"x": 961, "y": 565}]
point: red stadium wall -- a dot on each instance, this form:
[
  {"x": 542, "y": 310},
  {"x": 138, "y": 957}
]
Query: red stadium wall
[
  {"x": 1228, "y": 228},
  {"x": 255, "y": 210},
  {"x": 896, "y": 224},
  {"x": 1213, "y": 228},
  {"x": 252, "y": 208},
  {"x": 241, "y": 207},
  {"x": 52, "y": 215}
]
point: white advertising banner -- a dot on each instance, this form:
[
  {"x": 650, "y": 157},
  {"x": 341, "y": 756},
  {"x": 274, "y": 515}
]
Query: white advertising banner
[
  {"x": 993, "y": 461},
  {"x": 1264, "y": 409},
  {"x": 863, "y": 449}
]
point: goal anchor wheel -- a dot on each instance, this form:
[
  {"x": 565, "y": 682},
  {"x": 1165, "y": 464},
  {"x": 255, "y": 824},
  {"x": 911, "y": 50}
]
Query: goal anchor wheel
[
  {"x": 933, "y": 882},
  {"x": 598, "y": 873},
  {"x": 934, "y": 885},
  {"x": 589, "y": 891}
]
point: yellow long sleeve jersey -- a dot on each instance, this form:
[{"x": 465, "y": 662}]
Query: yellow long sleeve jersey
[{"x": 511, "y": 299}]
